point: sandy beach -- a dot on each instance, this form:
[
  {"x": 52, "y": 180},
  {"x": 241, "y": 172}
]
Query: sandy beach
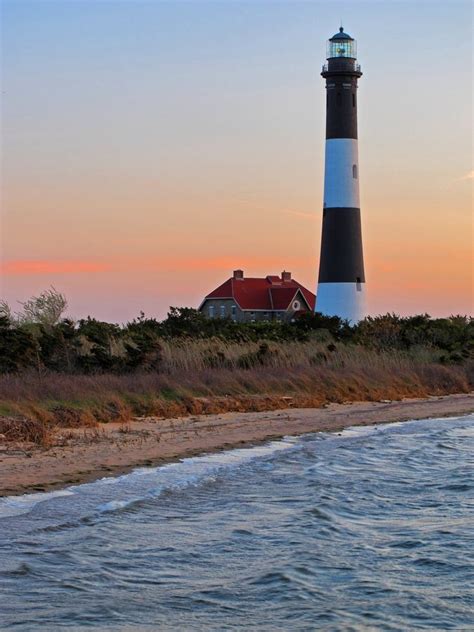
[{"x": 87, "y": 454}]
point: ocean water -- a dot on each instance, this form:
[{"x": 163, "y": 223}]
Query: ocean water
[{"x": 369, "y": 529}]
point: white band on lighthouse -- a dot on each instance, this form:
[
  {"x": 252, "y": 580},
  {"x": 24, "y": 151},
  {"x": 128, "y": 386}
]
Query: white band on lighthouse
[
  {"x": 346, "y": 300},
  {"x": 341, "y": 174}
]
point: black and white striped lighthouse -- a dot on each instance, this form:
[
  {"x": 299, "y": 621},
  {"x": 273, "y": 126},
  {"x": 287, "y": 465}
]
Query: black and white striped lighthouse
[{"x": 341, "y": 283}]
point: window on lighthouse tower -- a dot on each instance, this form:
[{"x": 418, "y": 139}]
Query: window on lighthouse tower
[{"x": 354, "y": 171}]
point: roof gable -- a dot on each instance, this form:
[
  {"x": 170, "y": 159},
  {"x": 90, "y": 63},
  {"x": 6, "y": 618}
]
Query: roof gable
[{"x": 309, "y": 297}]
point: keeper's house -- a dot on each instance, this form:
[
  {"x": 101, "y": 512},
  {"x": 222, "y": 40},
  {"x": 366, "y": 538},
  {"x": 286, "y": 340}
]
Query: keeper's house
[{"x": 249, "y": 300}]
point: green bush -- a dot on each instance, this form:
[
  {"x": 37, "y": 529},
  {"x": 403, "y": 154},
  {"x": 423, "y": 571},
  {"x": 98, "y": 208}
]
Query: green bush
[{"x": 93, "y": 346}]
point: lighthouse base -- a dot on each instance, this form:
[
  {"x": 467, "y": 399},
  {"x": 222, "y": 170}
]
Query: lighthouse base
[{"x": 346, "y": 300}]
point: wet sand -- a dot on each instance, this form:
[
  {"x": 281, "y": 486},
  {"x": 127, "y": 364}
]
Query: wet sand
[{"x": 84, "y": 455}]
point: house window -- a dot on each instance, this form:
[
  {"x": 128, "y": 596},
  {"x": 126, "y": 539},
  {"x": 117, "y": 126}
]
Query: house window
[
  {"x": 222, "y": 311},
  {"x": 296, "y": 306},
  {"x": 252, "y": 317},
  {"x": 233, "y": 311},
  {"x": 354, "y": 171},
  {"x": 211, "y": 311}
]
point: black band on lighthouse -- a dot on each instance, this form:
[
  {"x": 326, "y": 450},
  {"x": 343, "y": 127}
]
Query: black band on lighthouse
[
  {"x": 341, "y": 76},
  {"x": 341, "y": 100},
  {"x": 342, "y": 259}
]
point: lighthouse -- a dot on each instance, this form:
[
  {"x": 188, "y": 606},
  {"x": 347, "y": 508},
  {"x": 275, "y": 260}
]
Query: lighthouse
[{"x": 341, "y": 282}]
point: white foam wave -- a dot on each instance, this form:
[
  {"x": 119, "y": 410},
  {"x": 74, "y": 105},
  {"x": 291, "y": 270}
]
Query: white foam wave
[
  {"x": 189, "y": 472},
  {"x": 352, "y": 432},
  {"x": 149, "y": 482},
  {"x": 17, "y": 505}
]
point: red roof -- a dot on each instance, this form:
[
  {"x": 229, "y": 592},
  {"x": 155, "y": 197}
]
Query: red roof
[{"x": 270, "y": 293}]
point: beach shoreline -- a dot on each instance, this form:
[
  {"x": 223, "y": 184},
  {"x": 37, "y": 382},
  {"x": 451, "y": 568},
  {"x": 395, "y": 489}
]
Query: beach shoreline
[{"x": 84, "y": 455}]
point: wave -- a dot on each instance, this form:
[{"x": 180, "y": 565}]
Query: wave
[
  {"x": 145, "y": 483},
  {"x": 173, "y": 476},
  {"x": 16, "y": 505}
]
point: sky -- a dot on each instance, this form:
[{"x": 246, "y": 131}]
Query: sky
[{"x": 150, "y": 148}]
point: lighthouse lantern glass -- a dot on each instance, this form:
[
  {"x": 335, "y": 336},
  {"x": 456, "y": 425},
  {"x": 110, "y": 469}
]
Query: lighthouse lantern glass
[{"x": 341, "y": 48}]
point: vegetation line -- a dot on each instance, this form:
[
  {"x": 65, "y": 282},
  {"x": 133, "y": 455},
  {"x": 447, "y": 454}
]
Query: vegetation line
[{"x": 57, "y": 373}]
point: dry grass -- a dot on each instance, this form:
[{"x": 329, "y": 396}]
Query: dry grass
[
  {"x": 203, "y": 377},
  {"x": 26, "y": 430}
]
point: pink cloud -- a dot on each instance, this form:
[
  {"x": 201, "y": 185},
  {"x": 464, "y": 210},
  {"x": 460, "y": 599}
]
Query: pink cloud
[{"x": 29, "y": 267}]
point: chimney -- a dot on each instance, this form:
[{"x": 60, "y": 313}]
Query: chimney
[
  {"x": 239, "y": 274},
  {"x": 286, "y": 276}
]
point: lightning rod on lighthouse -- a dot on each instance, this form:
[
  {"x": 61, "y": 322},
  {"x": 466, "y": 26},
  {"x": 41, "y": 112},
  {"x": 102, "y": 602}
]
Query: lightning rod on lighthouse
[{"x": 341, "y": 282}]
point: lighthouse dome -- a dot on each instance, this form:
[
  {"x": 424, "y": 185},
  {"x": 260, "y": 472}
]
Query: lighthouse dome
[
  {"x": 341, "y": 36},
  {"x": 341, "y": 45}
]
